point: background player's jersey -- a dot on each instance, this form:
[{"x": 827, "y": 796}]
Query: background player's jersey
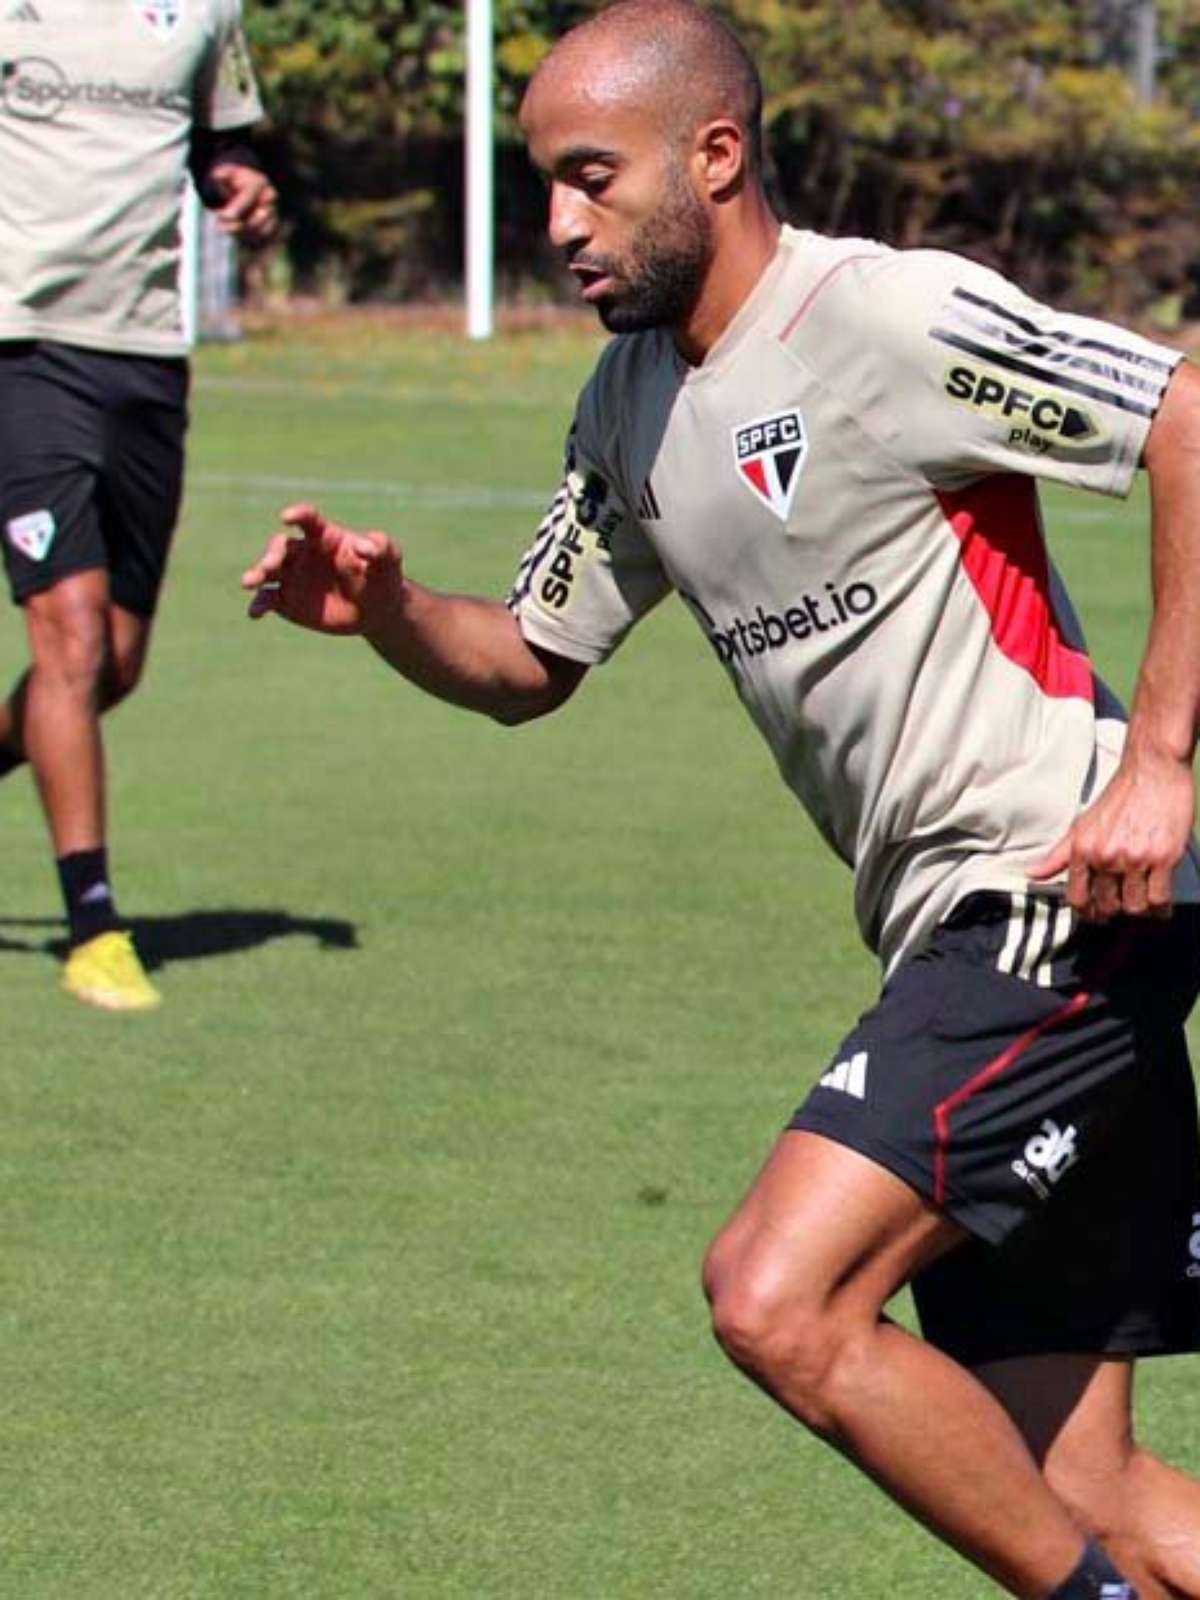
[
  {"x": 97, "y": 100},
  {"x": 842, "y": 496}
]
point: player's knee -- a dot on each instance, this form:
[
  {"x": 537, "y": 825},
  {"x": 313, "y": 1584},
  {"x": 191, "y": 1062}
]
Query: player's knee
[
  {"x": 121, "y": 676},
  {"x": 71, "y": 653},
  {"x": 776, "y": 1333}
]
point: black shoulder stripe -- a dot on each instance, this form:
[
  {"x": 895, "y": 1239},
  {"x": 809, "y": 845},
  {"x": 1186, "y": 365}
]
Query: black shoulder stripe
[
  {"x": 1065, "y": 360},
  {"x": 1135, "y": 358}
]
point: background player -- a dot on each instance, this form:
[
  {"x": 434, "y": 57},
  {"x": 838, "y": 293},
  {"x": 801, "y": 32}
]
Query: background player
[
  {"x": 826, "y": 449},
  {"x": 101, "y": 108}
]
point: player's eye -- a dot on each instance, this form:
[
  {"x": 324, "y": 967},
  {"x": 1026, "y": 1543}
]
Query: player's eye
[{"x": 594, "y": 181}]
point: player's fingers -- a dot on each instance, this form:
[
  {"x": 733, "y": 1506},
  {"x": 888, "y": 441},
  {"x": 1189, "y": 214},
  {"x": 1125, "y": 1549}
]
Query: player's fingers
[
  {"x": 1079, "y": 887},
  {"x": 1105, "y": 895},
  {"x": 317, "y": 530},
  {"x": 263, "y": 601},
  {"x": 270, "y": 563},
  {"x": 374, "y": 546},
  {"x": 1054, "y": 863},
  {"x": 1135, "y": 891},
  {"x": 306, "y": 518},
  {"x": 1159, "y": 888}
]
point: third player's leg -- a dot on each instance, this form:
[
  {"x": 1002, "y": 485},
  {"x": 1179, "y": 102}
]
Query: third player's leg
[
  {"x": 128, "y": 644},
  {"x": 67, "y": 626},
  {"x": 1075, "y": 1412},
  {"x": 797, "y": 1283}
]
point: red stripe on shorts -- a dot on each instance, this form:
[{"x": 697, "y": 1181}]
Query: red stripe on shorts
[{"x": 945, "y": 1109}]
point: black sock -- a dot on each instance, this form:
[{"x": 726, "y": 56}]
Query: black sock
[
  {"x": 1095, "y": 1578},
  {"x": 86, "y": 893},
  {"x": 9, "y": 762}
]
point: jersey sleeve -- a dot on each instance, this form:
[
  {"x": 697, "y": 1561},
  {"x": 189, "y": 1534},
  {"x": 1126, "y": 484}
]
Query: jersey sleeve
[
  {"x": 972, "y": 376},
  {"x": 226, "y": 94},
  {"x": 590, "y": 572}
]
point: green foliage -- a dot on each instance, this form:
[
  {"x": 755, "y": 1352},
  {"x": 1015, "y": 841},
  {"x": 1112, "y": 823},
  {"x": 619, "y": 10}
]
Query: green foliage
[
  {"x": 1008, "y": 128},
  {"x": 1005, "y": 127}
]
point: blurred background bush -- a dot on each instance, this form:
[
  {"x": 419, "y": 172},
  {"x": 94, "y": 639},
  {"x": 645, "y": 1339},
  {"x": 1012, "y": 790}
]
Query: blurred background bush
[{"x": 1056, "y": 139}]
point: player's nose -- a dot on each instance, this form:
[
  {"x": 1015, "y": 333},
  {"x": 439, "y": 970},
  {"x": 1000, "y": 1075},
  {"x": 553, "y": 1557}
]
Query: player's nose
[{"x": 568, "y": 223}]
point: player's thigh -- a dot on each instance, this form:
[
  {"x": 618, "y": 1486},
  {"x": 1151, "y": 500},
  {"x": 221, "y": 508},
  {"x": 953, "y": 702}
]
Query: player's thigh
[
  {"x": 142, "y": 483},
  {"x": 51, "y": 445},
  {"x": 820, "y": 1222}
]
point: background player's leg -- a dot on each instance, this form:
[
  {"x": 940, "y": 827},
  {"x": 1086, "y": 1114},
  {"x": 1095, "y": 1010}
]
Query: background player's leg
[
  {"x": 67, "y": 626},
  {"x": 128, "y": 645},
  {"x": 12, "y": 727},
  {"x": 797, "y": 1282},
  {"x": 1076, "y": 1413},
  {"x": 73, "y": 649}
]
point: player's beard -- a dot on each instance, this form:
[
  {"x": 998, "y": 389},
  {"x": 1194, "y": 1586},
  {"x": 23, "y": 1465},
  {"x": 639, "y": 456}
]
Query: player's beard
[{"x": 669, "y": 256}]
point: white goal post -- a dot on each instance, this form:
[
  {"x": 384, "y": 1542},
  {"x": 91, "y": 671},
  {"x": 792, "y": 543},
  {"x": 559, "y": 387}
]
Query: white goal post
[{"x": 480, "y": 242}]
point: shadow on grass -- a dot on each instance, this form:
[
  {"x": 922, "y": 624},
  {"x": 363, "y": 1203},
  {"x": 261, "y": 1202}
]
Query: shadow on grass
[{"x": 192, "y": 936}]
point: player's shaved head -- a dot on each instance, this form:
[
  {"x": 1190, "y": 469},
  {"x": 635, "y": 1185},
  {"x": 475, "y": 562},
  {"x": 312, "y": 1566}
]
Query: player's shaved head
[{"x": 673, "y": 58}]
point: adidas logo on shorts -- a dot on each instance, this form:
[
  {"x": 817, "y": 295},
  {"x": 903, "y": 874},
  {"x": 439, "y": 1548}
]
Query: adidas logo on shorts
[{"x": 849, "y": 1077}]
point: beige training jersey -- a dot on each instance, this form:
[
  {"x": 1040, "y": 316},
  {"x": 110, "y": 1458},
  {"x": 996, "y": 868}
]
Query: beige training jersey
[
  {"x": 843, "y": 496},
  {"x": 97, "y": 100}
]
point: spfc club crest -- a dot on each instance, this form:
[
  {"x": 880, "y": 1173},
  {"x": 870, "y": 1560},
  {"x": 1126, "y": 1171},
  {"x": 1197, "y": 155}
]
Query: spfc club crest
[
  {"x": 160, "y": 16},
  {"x": 770, "y": 454}
]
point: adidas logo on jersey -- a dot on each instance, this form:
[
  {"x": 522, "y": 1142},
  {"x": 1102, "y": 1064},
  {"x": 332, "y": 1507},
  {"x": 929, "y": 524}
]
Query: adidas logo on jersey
[
  {"x": 24, "y": 11},
  {"x": 849, "y": 1076},
  {"x": 648, "y": 507}
]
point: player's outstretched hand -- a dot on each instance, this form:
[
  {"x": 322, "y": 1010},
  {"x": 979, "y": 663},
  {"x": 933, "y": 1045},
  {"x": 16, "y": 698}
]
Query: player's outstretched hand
[
  {"x": 1120, "y": 856},
  {"x": 325, "y": 576}
]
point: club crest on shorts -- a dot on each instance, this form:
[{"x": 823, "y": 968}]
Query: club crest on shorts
[
  {"x": 160, "y": 16},
  {"x": 32, "y": 534},
  {"x": 770, "y": 455}
]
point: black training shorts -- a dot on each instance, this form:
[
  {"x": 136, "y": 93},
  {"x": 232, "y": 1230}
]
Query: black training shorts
[
  {"x": 91, "y": 466},
  {"x": 1029, "y": 1075}
]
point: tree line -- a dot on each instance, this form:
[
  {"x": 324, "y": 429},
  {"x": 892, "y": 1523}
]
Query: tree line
[{"x": 1015, "y": 130}]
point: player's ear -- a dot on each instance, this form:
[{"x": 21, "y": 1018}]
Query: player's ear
[{"x": 721, "y": 157}]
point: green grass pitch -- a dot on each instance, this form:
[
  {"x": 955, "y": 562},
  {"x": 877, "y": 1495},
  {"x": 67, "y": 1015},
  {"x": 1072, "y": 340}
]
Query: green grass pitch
[{"x": 367, "y": 1268}]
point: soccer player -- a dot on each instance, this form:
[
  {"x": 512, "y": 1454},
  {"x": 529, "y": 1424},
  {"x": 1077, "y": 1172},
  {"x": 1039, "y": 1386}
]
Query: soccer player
[
  {"x": 827, "y": 450},
  {"x": 102, "y": 108}
]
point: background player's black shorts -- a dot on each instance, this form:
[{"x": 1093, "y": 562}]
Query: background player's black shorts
[
  {"x": 1029, "y": 1075},
  {"x": 91, "y": 466}
]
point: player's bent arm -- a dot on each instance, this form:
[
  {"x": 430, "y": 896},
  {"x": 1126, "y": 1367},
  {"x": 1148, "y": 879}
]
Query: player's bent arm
[
  {"x": 321, "y": 575},
  {"x": 1121, "y": 853},
  {"x": 471, "y": 652}
]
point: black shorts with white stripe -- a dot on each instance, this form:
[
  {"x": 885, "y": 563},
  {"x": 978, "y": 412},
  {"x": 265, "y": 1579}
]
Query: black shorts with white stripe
[{"x": 1028, "y": 1074}]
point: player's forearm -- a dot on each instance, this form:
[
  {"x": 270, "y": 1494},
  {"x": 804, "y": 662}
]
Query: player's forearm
[
  {"x": 1166, "y": 705},
  {"x": 467, "y": 651}
]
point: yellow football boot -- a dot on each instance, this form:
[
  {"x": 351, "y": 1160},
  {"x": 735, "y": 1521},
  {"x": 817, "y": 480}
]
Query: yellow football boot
[{"x": 105, "y": 971}]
